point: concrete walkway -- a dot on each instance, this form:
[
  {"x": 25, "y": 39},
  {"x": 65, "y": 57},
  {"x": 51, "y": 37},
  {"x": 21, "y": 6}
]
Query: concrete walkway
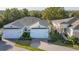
[
  {"x": 49, "y": 47},
  {"x": 6, "y": 45}
]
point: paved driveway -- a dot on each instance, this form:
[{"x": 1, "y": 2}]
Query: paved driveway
[
  {"x": 7, "y": 45},
  {"x": 49, "y": 47}
]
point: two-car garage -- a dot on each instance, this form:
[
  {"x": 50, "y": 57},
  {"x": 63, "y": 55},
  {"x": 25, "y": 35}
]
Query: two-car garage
[{"x": 34, "y": 33}]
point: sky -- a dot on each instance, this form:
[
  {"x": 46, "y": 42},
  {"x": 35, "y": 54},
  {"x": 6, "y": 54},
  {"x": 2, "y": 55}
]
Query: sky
[
  {"x": 72, "y": 8},
  {"x": 42, "y": 8}
]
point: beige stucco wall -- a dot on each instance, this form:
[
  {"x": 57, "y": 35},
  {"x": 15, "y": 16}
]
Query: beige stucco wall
[
  {"x": 57, "y": 26},
  {"x": 70, "y": 31},
  {"x": 73, "y": 32},
  {"x": 76, "y": 33}
]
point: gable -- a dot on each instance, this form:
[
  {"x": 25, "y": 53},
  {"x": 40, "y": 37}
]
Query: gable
[{"x": 38, "y": 25}]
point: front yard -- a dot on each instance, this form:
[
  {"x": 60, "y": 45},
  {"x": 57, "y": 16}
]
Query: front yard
[
  {"x": 25, "y": 42},
  {"x": 27, "y": 47}
]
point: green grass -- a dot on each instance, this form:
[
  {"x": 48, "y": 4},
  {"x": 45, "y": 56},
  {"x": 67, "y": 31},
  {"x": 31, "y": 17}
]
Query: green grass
[
  {"x": 26, "y": 44},
  {"x": 76, "y": 47},
  {"x": 29, "y": 47}
]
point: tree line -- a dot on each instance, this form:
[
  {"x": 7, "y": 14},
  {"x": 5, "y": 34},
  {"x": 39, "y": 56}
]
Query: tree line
[{"x": 50, "y": 13}]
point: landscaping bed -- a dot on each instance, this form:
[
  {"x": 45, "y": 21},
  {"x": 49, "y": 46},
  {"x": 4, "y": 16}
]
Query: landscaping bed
[
  {"x": 26, "y": 36},
  {"x": 55, "y": 36}
]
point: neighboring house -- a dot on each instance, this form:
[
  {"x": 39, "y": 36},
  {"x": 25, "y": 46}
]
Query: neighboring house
[
  {"x": 58, "y": 24},
  {"x": 68, "y": 26},
  {"x": 36, "y": 27}
]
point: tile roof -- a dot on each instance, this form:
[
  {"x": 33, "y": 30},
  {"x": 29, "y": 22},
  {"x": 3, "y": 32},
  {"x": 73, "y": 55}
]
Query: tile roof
[
  {"x": 72, "y": 20},
  {"x": 62, "y": 21},
  {"x": 77, "y": 27},
  {"x": 28, "y": 21}
]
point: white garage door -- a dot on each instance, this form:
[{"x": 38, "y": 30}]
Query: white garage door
[
  {"x": 39, "y": 33},
  {"x": 12, "y": 33}
]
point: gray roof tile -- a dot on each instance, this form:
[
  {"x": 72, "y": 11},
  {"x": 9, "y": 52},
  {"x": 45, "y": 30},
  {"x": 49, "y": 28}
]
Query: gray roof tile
[{"x": 28, "y": 21}]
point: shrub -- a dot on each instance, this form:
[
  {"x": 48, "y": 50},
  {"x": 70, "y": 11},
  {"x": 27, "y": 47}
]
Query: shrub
[
  {"x": 52, "y": 36},
  {"x": 26, "y": 36},
  {"x": 73, "y": 40},
  {"x": 67, "y": 42}
]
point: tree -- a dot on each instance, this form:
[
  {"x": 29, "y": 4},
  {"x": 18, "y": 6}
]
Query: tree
[
  {"x": 75, "y": 13},
  {"x": 54, "y": 13},
  {"x": 15, "y": 13},
  {"x": 1, "y": 20},
  {"x": 7, "y": 16},
  {"x": 35, "y": 13},
  {"x": 25, "y": 12}
]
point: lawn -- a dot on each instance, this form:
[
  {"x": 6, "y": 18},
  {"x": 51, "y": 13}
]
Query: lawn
[
  {"x": 26, "y": 44},
  {"x": 29, "y": 47}
]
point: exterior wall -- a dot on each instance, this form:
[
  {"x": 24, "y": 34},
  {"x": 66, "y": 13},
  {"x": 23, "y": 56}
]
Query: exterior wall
[
  {"x": 76, "y": 33},
  {"x": 70, "y": 31},
  {"x": 57, "y": 26},
  {"x": 73, "y": 32},
  {"x": 64, "y": 25},
  {"x": 39, "y": 33},
  {"x": 12, "y": 33}
]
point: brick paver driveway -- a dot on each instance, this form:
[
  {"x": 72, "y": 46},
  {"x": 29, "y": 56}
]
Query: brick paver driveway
[
  {"x": 49, "y": 47},
  {"x": 6, "y": 45}
]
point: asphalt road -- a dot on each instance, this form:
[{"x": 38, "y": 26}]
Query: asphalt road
[{"x": 6, "y": 45}]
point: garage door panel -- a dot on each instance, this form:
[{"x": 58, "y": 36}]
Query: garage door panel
[
  {"x": 39, "y": 33},
  {"x": 12, "y": 33}
]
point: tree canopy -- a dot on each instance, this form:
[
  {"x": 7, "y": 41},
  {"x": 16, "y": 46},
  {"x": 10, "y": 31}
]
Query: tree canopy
[
  {"x": 49, "y": 13},
  {"x": 35, "y": 13},
  {"x": 54, "y": 13},
  {"x": 75, "y": 13}
]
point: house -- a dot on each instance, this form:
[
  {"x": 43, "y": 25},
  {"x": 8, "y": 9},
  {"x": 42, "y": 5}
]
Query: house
[
  {"x": 68, "y": 26},
  {"x": 36, "y": 27},
  {"x": 58, "y": 24}
]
